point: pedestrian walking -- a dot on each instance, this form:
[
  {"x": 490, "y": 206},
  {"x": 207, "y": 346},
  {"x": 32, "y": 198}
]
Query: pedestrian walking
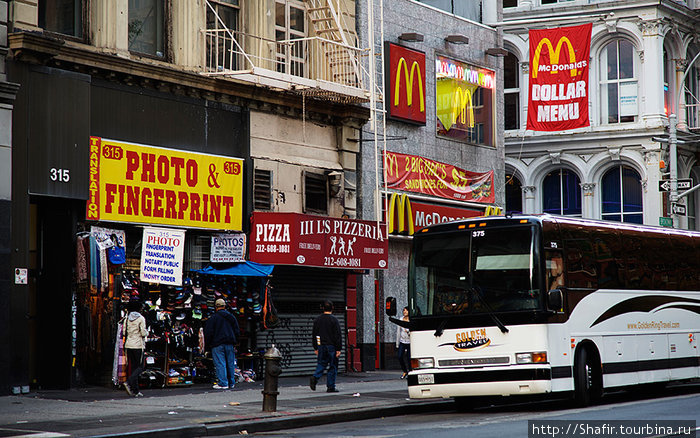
[
  {"x": 327, "y": 344},
  {"x": 403, "y": 343},
  {"x": 136, "y": 332},
  {"x": 221, "y": 335}
]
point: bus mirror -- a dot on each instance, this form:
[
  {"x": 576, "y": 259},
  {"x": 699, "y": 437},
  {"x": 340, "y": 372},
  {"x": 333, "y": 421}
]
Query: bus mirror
[
  {"x": 555, "y": 300},
  {"x": 391, "y": 306}
]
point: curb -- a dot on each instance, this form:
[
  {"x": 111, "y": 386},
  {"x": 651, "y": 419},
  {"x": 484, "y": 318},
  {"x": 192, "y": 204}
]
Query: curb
[{"x": 287, "y": 422}]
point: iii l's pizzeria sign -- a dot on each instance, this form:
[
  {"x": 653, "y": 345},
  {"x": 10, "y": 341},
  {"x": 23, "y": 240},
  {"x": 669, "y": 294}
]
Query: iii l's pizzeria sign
[
  {"x": 151, "y": 185},
  {"x": 559, "y": 62}
]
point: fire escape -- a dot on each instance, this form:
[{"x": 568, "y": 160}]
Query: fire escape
[{"x": 327, "y": 64}]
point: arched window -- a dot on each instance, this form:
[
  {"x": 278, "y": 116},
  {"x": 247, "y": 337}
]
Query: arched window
[
  {"x": 622, "y": 195},
  {"x": 561, "y": 191},
  {"x": 618, "y": 84},
  {"x": 692, "y": 99},
  {"x": 511, "y": 92},
  {"x": 514, "y": 194}
]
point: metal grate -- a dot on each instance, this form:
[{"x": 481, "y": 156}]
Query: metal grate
[{"x": 263, "y": 189}]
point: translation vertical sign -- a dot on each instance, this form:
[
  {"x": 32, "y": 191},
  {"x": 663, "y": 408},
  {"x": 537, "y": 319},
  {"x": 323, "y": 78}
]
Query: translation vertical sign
[{"x": 162, "y": 252}]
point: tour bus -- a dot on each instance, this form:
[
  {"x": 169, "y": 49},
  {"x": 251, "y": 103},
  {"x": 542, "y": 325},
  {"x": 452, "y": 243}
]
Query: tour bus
[{"x": 537, "y": 304}]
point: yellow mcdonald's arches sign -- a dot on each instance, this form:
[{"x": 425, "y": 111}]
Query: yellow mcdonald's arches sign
[
  {"x": 492, "y": 210},
  {"x": 400, "y": 215},
  {"x": 455, "y": 103},
  {"x": 391, "y": 164},
  {"x": 409, "y": 83},
  {"x": 554, "y": 56}
]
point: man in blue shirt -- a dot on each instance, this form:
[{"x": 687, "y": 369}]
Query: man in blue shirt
[{"x": 221, "y": 334}]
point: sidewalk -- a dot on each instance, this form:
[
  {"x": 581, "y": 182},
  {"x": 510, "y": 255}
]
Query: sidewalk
[{"x": 199, "y": 410}]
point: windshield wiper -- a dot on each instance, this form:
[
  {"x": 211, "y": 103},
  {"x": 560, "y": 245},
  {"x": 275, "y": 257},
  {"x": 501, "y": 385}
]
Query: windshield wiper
[{"x": 489, "y": 310}]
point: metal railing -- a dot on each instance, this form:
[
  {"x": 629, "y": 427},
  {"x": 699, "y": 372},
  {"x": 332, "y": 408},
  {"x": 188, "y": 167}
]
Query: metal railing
[{"x": 233, "y": 52}]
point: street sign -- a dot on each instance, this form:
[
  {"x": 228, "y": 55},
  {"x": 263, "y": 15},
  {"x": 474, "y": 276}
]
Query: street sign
[
  {"x": 683, "y": 184},
  {"x": 678, "y": 209},
  {"x": 665, "y": 221}
]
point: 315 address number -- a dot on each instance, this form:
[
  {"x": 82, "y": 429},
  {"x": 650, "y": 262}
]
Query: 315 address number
[{"x": 59, "y": 175}]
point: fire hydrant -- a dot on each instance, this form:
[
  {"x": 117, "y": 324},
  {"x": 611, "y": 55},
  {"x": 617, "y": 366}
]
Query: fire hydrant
[{"x": 272, "y": 373}]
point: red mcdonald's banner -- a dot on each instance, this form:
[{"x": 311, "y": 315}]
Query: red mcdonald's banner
[
  {"x": 421, "y": 175},
  {"x": 307, "y": 240},
  {"x": 558, "y": 94},
  {"x": 406, "y": 74}
]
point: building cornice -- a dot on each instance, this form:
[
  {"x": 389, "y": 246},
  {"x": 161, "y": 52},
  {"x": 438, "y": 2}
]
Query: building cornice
[{"x": 37, "y": 48}]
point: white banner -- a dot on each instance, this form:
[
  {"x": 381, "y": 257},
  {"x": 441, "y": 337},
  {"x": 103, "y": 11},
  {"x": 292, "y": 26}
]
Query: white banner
[
  {"x": 227, "y": 248},
  {"x": 162, "y": 252}
]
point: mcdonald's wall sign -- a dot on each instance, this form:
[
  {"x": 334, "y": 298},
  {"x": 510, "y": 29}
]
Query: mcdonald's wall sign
[
  {"x": 406, "y": 73},
  {"x": 406, "y": 216},
  {"x": 559, "y": 61}
]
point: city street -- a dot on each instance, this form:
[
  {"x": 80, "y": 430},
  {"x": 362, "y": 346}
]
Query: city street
[{"x": 511, "y": 419}]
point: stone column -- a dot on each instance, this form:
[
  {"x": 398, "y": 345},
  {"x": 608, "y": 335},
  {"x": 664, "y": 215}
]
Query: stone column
[
  {"x": 588, "y": 207},
  {"x": 652, "y": 72},
  {"x": 529, "y": 200}
]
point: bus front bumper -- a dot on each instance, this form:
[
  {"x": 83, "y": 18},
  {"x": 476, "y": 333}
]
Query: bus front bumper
[{"x": 434, "y": 383}]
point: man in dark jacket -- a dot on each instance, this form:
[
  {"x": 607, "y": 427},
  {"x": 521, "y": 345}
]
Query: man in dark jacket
[
  {"x": 221, "y": 334},
  {"x": 327, "y": 343}
]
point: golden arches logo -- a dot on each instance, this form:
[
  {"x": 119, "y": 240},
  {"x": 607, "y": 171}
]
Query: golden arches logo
[
  {"x": 554, "y": 55},
  {"x": 415, "y": 68},
  {"x": 463, "y": 105},
  {"x": 391, "y": 164},
  {"x": 493, "y": 211},
  {"x": 400, "y": 215}
]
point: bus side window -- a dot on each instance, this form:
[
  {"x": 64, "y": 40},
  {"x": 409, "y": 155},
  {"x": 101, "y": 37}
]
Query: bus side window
[{"x": 555, "y": 270}]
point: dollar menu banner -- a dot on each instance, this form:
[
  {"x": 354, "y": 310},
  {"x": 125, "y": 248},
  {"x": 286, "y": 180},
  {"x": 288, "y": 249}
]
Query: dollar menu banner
[
  {"x": 308, "y": 240},
  {"x": 558, "y": 97},
  {"x": 420, "y": 175},
  {"x": 152, "y": 185}
]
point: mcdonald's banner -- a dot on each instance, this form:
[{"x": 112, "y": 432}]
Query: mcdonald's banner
[
  {"x": 411, "y": 173},
  {"x": 406, "y": 73},
  {"x": 152, "y": 185},
  {"x": 308, "y": 240},
  {"x": 559, "y": 61},
  {"x": 464, "y": 100},
  {"x": 407, "y": 216}
]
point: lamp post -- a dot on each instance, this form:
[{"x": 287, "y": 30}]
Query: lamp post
[{"x": 673, "y": 148}]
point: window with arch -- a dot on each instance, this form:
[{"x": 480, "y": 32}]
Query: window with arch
[
  {"x": 511, "y": 92},
  {"x": 514, "y": 194},
  {"x": 561, "y": 193},
  {"x": 692, "y": 96},
  {"x": 618, "y": 82},
  {"x": 621, "y": 190}
]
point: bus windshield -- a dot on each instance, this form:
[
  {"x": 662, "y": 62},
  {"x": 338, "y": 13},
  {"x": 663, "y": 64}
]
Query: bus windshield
[{"x": 478, "y": 271}]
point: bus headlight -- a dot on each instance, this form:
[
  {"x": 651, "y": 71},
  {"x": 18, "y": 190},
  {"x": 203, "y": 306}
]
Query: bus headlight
[
  {"x": 424, "y": 362},
  {"x": 538, "y": 357}
]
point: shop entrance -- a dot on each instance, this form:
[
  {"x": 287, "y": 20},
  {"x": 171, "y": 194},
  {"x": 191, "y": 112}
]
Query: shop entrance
[{"x": 51, "y": 262}]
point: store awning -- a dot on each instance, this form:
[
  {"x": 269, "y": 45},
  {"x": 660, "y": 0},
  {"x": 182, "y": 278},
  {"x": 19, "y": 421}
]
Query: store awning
[{"x": 243, "y": 269}]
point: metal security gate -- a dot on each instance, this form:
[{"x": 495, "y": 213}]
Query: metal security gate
[{"x": 298, "y": 293}]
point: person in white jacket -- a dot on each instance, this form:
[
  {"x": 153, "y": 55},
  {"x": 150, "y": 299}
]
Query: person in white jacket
[
  {"x": 403, "y": 343},
  {"x": 135, "y": 328}
]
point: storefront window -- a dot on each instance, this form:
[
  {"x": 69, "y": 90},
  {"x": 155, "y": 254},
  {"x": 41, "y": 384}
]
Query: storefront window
[
  {"x": 146, "y": 27},
  {"x": 561, "y": 193},
  {"x": 464, "y": 100},
  {"x": 62, "y": 16},
  {"x": 622, "y": 195}
]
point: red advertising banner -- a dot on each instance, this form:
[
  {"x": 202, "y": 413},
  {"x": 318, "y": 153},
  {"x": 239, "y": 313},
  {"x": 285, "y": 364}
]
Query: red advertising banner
[
  {"x": 558, "y": 95},
  {"x": 421, "y": 175},
  {"x": 408, "y": 216},
  {"x": 406, "y": 73},
  {"x": 306, "y": 240}
]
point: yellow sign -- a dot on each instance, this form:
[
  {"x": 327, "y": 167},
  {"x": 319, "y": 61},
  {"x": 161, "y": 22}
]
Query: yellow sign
[
  {"x": 152, "y": 185},
  {"x": 400, "y": 215},
  {"x": 554, "y": 55},
  {"x": 455, "y": 103},
  {"x": 409, "y": 83}
]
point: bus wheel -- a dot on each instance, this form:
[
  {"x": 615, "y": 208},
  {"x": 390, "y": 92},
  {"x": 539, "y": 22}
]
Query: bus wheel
[{"x": 588, "y": 382}]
